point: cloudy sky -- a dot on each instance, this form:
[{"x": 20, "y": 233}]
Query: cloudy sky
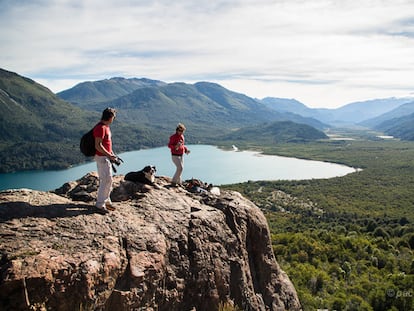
[{"x": 324, "y": 53}]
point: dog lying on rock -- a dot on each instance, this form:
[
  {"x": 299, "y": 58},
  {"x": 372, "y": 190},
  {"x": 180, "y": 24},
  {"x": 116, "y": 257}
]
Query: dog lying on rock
[{"x": 145, "y": 176}]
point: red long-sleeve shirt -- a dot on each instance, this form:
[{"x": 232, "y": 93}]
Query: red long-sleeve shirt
[{"x": 176, "y": 144}]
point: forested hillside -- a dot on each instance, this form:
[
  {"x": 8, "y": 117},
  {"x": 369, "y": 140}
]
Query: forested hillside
[
  {"x": 207, "y": 108},
  {"x": 38, "y": 129},
  {"x": 86, "y": 93},
  {"x": 276, "y": 132},
  {"x": 42, "y": 131},
  {"x": 399, "y": 112},
  {"x": 402, "y": 127},
  {"x": 347, "y": 243}
]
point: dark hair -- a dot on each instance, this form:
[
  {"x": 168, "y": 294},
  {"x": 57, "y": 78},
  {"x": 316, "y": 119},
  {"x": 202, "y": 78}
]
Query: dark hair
[{"x": 108, "y": 113}]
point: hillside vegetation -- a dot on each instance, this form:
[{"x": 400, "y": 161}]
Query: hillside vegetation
[
  {"x": 274, "y": 133},
  {"x": 347, "y": 243},
  {"x": 38, "y": 130},
  {"x": 206, "y": 107},
  {"x": 89, "y": 93},
  {"x": 42, "y": 131},
  {"x": 402, "y": 127}
]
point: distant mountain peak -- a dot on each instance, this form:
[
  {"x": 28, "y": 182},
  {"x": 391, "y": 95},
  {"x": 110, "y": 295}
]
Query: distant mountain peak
[{"x": 104, "y": 90}]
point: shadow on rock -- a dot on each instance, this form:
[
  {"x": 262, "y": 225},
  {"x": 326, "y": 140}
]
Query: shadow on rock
[{"x": 14, "y": 210}]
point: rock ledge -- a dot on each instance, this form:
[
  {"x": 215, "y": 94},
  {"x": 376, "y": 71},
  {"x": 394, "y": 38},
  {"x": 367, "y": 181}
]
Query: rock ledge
[{"x": 161, "y": 249}]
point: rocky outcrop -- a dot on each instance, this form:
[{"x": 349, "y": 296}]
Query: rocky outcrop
[{"x": 161, "y": 249}]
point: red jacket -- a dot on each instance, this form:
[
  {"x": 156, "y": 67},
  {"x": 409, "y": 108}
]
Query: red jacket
[{"x": 176, "y": 144}]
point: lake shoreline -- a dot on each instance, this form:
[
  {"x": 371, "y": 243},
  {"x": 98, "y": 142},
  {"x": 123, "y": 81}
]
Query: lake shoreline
[{"x": 212, "y": 164}]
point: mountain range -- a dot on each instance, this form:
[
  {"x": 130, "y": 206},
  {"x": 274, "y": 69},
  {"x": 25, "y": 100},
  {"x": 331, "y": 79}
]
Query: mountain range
[
  {"x": 42, "y": 130},
  {"x": 141, "y": 99},
  {"x": 369, "y": 113},
  {"x": 204, "y": 106}
]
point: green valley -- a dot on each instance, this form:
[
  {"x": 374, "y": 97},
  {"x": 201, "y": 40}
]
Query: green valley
[{"x": 346, "y": 243}]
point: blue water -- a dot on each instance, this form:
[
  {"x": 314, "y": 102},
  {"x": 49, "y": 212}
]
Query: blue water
[{"x": 208, "y": 163}]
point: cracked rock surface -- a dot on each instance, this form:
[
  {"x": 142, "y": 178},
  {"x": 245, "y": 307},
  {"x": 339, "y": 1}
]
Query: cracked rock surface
[{"x": 161, "y": 249}]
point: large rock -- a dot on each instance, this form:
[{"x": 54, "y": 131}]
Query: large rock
[{"x": 162, "y": 249}]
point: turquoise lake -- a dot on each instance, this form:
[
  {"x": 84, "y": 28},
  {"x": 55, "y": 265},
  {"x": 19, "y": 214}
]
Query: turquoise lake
[{"x": 207, "y": 163}]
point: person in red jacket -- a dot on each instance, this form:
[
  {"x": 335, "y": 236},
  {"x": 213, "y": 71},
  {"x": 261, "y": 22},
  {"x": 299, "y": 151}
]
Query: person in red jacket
[
  {"x": 178, "y": 148},
  {"x": 103, "y": 157}
]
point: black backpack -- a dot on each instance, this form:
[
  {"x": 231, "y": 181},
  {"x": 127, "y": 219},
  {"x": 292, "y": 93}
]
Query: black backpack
[{"x": 87, "y": 144}]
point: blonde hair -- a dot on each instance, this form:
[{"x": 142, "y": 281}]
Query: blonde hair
[{"x": 181, "y": 127}]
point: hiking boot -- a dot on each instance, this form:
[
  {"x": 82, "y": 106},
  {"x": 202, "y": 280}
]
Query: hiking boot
[
  {"x": 109, "y": 206},
  {"x": 177, "y": 185},
  {"x": 102, "y": 210}
]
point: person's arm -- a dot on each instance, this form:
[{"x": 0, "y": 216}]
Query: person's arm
[
  {"x": 99, "y": 146},
  {"x": 186, "y": 150}
]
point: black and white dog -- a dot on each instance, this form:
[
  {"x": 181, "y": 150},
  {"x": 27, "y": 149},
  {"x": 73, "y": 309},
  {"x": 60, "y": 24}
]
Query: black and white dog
[{"x": 144, "y": 176}]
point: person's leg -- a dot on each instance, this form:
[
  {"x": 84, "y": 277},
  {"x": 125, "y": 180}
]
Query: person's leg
[
  {"x": 105, "y": 181},
  {"x": 179, "y": 163}
]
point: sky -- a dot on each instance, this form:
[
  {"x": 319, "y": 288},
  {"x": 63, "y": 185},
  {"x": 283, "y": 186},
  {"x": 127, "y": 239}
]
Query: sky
[{"x": 323, "y": 53}]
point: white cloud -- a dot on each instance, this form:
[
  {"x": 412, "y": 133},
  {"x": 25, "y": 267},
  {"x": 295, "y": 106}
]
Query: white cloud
[{"x": 322, "y": 52}]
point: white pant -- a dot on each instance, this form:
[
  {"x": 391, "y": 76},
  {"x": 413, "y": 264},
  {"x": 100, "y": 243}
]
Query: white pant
[
  {"x": 105, "y": 180},
  {"x": 179, "y": 163}
]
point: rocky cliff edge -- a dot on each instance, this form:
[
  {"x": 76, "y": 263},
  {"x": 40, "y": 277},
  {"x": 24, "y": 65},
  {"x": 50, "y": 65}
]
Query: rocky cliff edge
[{"x": 161, "y": 249}]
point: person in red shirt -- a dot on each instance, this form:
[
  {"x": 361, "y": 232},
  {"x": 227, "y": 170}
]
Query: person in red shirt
[
  {"x": 178, "y": 148},
  {"x": 103, "y": 158}
]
